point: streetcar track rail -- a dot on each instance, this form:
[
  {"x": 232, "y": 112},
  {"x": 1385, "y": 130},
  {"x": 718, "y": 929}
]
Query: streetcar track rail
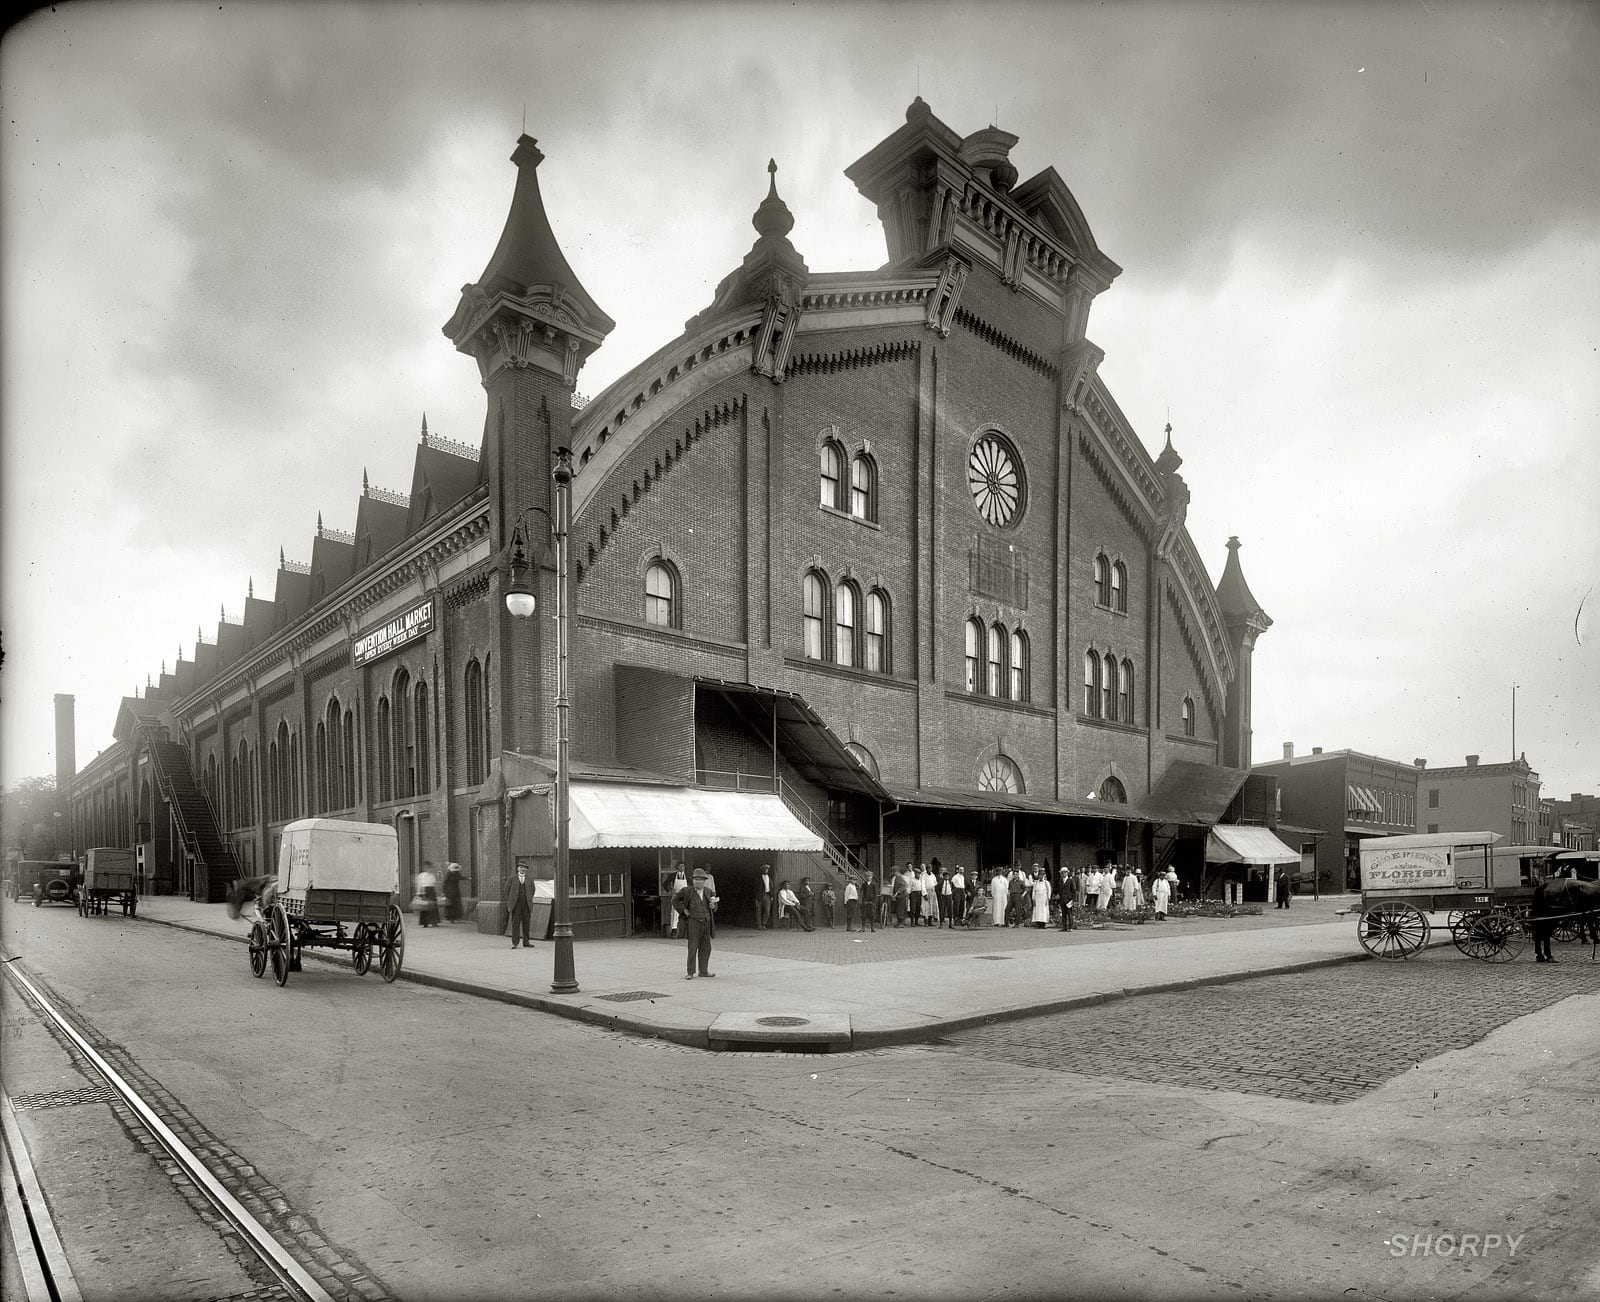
[{"x": 289, "y": 1274}]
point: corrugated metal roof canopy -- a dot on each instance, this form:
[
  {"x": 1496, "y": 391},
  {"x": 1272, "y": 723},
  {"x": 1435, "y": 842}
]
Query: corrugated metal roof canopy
[
  {"x": 805, "y": 740},
  {"x": 1230, "y": 843},
  {"x": 623, "y": 816},
  {"x": 946, "y": 798},
  {"x": 1192, "y": 794}
]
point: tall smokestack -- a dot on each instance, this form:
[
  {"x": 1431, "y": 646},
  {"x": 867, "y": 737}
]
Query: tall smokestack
[
  {"x": 66, "y": 741},
  {"x": 1288, "y": 750}
]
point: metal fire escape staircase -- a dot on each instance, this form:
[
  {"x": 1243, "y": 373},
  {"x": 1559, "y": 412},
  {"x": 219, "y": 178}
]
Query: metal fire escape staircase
[
  {"x": 836, "y": 860},
  {"x": 216, "y": 868}
]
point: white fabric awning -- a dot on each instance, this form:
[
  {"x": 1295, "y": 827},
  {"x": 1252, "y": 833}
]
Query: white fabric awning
[
  {"x": 618, "y": 815},
  {"x": 1362, "y": 798},
  {"x": 1229, "y": 843}
]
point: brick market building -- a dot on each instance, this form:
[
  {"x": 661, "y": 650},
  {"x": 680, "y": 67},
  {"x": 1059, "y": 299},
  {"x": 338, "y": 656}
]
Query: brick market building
[
  {"x": 1477, "y": 797},
  {"x": 880, "y": 543}
]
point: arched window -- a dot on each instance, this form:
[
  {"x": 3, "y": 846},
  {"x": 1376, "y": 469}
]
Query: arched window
[
  {"x": 405, "y": 738},
  {"x": 295, "y": 807},
  {"x": 347, "y": 764},
  {"x": 844, "y": 624},
  {"x": 1111, "y": 789},
  {"x": 1020, "y": 687},
  {"x": 661, "y": 595},
  {"x": 1119, "y": 587},
  {"x": 1108, "y": 687},
  {"x": 877, "y": 647},
  {"x": 863, "y": 757},
  {"x": 814, "y": 592},
  {"x": 1102, "y": 579},
  {"x": 1000, "y": 773},
  {"x": 385, "y": 745},
  {"x": 319, "y": 800},
  {"x": 974, "y": 651},
  {"x": 830, "y": 491},
  {"x": 272, "y": 780},
  {"x": 1125, "y": 693},
  {"x": 424, "y": 739},
  {"x": 864, "y": 487},
  {"x": 334, "y": 778},
  {"x": 1091, "y": 684},
  {"x": 473, "y": 689},
  {"x": 994, "y": 682},
  {"x": 1188, "y": 716}
]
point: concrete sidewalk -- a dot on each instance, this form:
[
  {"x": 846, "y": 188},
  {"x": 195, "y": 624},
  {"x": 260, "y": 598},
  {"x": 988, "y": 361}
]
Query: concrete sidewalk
[{"x": 833, "y": 989}]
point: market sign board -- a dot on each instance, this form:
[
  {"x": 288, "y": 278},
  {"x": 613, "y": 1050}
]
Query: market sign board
[
  {"x": 404, "y": 629},
  {"x": 1427, "y": 869}
]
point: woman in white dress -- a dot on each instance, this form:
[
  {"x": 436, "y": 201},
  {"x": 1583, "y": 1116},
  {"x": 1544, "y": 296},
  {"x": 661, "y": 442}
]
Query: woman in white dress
[
  {"x": 997, "y": 899},
  {"x": 1160, "y": 893},
  {"x": 930, "y": 897},
  {"x": 1041, "y": 901},
  {"x": 1130, "y": 891}
]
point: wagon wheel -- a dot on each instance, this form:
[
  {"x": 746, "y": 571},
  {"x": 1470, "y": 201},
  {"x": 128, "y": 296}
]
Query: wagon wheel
[
  {"x": 1493, "y": 938},
  {"x": 1458, "y": 916},
  {"x": 361, "y": 950},
  {"x": 1392, "y": 930},
  {"x": 258, "y": 949},
  {"x": 1567, "y": 929},
  {"x": 392, "y": 945},
  {"x": 279, "y": 945}
]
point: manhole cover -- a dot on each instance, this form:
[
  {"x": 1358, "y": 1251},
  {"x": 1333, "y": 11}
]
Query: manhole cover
[
  {"x": 995, "y": 958},
  {"x": 783, "y": 1021},
  {"x": 627, "y": 996}
]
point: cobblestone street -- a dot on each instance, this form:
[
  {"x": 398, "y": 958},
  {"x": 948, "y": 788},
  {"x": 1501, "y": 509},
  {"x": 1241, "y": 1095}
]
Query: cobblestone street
[{"x": 1317, "y": 1037}]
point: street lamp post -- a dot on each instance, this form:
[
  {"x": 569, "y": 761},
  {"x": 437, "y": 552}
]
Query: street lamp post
[{"x": 521, "y": 602}]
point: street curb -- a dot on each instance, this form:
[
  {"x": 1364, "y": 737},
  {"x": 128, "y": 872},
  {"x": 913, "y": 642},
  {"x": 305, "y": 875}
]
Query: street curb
[{"x": 699, "y": 1038}]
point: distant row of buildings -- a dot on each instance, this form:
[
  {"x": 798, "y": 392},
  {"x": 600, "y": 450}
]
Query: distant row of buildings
[{"x": 1340, "y": 798}]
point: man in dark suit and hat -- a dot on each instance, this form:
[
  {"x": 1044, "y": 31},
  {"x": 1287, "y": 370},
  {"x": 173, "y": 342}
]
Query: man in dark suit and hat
[
  {"x": 697, "y": 906},
  {"x": 519, "y": 906}
]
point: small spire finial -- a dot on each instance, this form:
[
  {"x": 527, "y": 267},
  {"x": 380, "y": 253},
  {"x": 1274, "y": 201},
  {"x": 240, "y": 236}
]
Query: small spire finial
[
  {"x": 364, "y": 485},
  {"x": 424, "y": 427},
  {"x": 319, "y": 524},
  {"x": 250, "y": 587},
  {"x": 772, "y": 218}
]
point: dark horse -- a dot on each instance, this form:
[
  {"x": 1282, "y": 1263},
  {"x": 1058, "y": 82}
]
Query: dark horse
[{"x": 1562, "y": 897}]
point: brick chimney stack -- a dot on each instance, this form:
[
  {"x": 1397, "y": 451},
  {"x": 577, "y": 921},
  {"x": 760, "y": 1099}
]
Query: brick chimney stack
[{"x": 1288, "y": 750}]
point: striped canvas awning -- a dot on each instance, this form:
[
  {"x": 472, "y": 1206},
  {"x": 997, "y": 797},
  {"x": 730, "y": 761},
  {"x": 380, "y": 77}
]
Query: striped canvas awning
[{"x": 622, "y": 815}]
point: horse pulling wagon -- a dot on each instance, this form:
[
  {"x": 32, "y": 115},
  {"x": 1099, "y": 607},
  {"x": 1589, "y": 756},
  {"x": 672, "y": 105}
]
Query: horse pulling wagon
[
  {"x": 1495, "y": 897},
  {"x": 336, "y": 888},
  {"x": 110, "y": 876}
]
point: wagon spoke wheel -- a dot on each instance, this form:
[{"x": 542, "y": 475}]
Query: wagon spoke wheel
[
  {"x": 361, "y": 950},
  {"x": 279, "y": 945},
  {"x": 1567, "y": 929},
  {"x": 258, "y": 949},
  {"x": 1393, "y": 931},
  {"x": 392, "y": 945},
  {"x": 1492, "y": 938}
]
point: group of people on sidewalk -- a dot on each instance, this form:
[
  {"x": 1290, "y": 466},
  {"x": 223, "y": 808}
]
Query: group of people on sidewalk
[
  {"x": 932, "y": 896},
  {"x": 431, "y": 893}
]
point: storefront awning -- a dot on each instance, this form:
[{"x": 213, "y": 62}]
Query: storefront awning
[
  {"x": 1362, "y": 798},
  {"x": 1230, "y": 843},
  {"x": 990, "y": 802},
  {"x": 625, "y": 816}
]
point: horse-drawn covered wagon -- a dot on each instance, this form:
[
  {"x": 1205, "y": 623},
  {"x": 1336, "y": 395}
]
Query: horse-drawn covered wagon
[
  {"x": 337, "y": 887},
  {"x": 1494, "y": 897},
  {"x": 110, "y": 876}
]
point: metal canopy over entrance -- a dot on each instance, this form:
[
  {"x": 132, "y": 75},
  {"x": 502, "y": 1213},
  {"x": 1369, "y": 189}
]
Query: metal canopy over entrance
[{"x": 799, "y": 733}]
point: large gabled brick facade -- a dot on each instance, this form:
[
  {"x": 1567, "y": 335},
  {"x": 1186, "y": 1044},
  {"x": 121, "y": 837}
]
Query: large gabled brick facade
[{"x": 966, "y": 355}]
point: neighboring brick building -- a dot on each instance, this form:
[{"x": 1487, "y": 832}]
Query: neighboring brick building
[
  {"x": 1347, "y": 796},
  {"x": 1475, "y": 797},
  {"x": 882, "y": 538},
  {"x": 1574, "y": 822}
]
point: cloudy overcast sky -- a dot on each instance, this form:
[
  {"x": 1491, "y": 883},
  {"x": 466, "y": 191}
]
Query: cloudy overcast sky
[{"x": 1362, "y": 253}]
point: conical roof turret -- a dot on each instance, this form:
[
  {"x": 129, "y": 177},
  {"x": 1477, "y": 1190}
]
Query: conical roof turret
[{"x": 1233, "y": 593}]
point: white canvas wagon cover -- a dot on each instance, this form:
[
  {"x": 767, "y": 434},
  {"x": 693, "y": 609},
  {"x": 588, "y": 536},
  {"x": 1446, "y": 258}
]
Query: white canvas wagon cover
[{"x": 329, "y": 854}]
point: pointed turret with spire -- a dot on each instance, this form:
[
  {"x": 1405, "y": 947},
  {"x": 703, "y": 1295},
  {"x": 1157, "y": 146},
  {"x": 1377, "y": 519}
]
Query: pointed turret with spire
[
  {"x": 774, "y": 274},
  {"x": 530, "y": 325},
  {"x": 1245, "y": 621}
]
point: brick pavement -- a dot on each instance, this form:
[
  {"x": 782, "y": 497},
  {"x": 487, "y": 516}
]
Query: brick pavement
[{"x": 1327, "y": 1036}]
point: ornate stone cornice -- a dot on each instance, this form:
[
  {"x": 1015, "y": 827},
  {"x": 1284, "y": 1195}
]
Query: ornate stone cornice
[
  {"x": 1116, "y": 489},
  {"x": 851, "y": 359},
  {"x": 1191, "y": 641}
]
